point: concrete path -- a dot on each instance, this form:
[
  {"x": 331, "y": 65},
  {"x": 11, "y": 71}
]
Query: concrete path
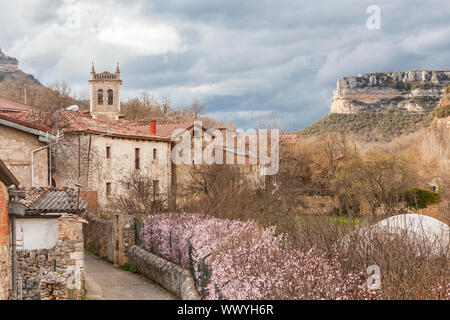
[{"x": 107, "y": 282}]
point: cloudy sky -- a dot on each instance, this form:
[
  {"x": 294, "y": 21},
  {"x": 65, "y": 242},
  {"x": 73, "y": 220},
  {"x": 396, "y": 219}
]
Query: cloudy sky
[{"x": 246, "y": 59}]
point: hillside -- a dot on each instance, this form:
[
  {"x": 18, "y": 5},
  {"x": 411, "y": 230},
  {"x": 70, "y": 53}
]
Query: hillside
[
  {"x": 382, "y": 106},
  {"x": 371, "y": 126},
  {"x": 443, "y": 110}
]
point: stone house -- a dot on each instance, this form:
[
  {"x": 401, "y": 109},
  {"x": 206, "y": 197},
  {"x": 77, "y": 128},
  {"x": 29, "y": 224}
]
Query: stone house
[
  {"x": 101, "y": 157},
  {"x": 24, "y": 148},
  {"x": 99, "y": 153},
  {"x": 228, "y": 147},
  {"x": 50, "y": 244},
  {"x": 6, "y": 179}
]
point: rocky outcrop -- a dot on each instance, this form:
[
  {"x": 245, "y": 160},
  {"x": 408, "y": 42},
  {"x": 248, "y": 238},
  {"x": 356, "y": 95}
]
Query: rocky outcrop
[
  {"x": 8, "y": 64},
  {"x": 415, "y": 91}
]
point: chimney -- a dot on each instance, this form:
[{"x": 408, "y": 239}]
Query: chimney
[{"x": 153, "y": 127}]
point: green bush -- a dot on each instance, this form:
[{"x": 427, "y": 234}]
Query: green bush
[
  {"x": 128, "y": 267},
  {"x": 421, "y": 198},
  {"x": 441, "y": 112}
]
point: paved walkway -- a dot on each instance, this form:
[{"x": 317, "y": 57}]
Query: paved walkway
[{"x": 107, "y": 282}]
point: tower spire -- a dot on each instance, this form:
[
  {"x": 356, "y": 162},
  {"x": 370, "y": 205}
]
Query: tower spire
[{"x": 117, "y": 68}]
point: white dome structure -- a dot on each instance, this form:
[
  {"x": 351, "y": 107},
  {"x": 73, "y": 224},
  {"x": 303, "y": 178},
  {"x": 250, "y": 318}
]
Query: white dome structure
[
  {"x": 418, "y": 226},
  {"x": 419, "y": 229}
]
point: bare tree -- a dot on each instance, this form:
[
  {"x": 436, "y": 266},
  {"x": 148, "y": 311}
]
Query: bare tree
[
  {"x": 139, "y": 195},
  {"x": 197, "y": 108}
]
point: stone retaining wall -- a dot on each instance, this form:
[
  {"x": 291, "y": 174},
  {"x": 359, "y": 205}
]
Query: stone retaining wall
[
  {"x": 109, "y": 238},
  {"x": 38, "y": 268},
  {"x": 169, "y": 275},
  {"x": 98, "y": 236}
]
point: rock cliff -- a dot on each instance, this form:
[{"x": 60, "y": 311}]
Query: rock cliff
[
  {"x": 8, "y": 64},
  {"x": 417, "y": 91}
]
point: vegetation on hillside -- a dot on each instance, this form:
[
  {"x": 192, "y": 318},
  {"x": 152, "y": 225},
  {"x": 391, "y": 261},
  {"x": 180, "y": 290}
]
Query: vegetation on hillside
[
  {"x": 443, "y": 110},
  {"x": 24, "y": 88},
  {"x": 370, "y": 126}
]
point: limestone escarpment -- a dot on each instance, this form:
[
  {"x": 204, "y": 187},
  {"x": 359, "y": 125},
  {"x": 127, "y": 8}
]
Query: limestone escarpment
[
  {"x": 8, "y": 64},
  {"x": 416, "y": 91}
]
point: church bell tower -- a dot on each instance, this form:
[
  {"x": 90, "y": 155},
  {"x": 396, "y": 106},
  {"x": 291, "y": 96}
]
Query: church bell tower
[{"x": 105, "y": 94}]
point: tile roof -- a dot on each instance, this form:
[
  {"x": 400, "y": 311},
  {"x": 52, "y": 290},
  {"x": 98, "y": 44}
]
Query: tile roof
[
  {"x": 164, "y": 127},
  {"x": 13, "y": 106},
  {"x": 164, "y": 130},
  {"x": 82, "y": 122},
  {"x": 21, "y": 119},
  {"x": 51, "y": 200},
  {"x": 76, "y": 121}
]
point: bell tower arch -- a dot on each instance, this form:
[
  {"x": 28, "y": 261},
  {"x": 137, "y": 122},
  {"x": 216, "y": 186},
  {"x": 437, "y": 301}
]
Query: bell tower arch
[{"x": 105, "y": 94}]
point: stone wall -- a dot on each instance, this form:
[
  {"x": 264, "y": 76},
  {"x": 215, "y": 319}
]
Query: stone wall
[
  {"x": 66, "y": 258},
  {"x": 98, "y": 236},
  {"x": 110, "y": 238},
  {"x": 57, "y": 286},
  {"x": 5, "y": 249},
  {"x": 15, "y": 151},
  {"x": 124, "y": 237},
  {"x": 169, "y": 275}
]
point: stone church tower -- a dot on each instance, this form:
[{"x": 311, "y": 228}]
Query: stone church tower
[{"x": 105, "y": 94}]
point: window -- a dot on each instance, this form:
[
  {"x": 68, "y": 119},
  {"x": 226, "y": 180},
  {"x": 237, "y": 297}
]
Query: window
[
  {"x": 100, "y": 96},
  {"x": 110, "y": 97},
  {"x": 108, "y": 189},
  {"x": 137, "y": 164},
  {"x": 155, "y": 154},
  {"x": 155, "y": 187},
  {"x": 108, "y": 152}
]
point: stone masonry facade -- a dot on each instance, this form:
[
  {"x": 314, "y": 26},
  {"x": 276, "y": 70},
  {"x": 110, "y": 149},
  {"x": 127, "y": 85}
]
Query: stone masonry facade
[
  {"x": 15, "y": 151},
  {"x": 56, "y": 273}
]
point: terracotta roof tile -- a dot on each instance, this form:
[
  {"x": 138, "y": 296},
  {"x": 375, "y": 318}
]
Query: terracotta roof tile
[
  {"x": 76, "y": 121},
  {"x": 13, "y": 106},
  {"x": 19, "y": 119},
  {"x": 79, "y": 121}
]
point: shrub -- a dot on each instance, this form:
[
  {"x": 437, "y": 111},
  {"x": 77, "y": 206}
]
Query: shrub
[
  {"x": 411, "y": 267},
  {"x": 441, "y": 112},
  {"x": 246, "y": 261},
  {"x": 421, "y": 198}
]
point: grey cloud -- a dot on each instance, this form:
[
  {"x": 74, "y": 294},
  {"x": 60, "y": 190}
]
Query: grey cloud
[{"x": 248, "y": 58}]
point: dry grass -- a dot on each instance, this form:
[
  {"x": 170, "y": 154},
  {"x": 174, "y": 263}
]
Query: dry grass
[{"x": 411, "y": 267}]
